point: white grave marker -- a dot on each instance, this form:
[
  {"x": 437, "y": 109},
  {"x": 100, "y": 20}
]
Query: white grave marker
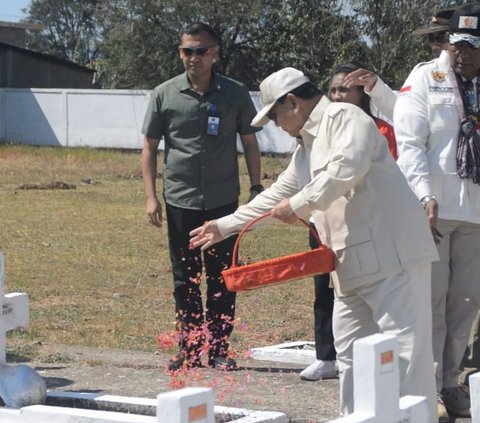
[
  {"x": 474, "y": 383},
  {"x": 376, "y": 386},
  {"x": 186, "y": 406},
  {"x": 14, "y": 312}
]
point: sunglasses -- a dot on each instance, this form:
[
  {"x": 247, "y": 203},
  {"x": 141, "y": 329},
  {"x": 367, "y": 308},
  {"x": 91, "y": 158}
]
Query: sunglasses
[
  {"x": 199, "y": 51},
  {"x": 439, "y": 37}
]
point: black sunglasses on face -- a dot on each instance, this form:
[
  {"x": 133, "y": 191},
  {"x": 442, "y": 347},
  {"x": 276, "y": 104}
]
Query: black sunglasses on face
[
  {"x": 439, "y": 37},
  {"x": 199, "y": 51}
]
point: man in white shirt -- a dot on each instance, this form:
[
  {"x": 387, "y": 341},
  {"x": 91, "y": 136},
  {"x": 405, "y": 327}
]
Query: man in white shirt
[
  {"x": 343, "y": 174},
  {"x": 437, "y": 31},
  {"x": 436, "y": 127},
  {"x": 383, "y": 96}
]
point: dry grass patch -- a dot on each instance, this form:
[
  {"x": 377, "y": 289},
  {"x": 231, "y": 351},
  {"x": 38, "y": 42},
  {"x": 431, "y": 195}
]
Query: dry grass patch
[{"x": 98, "y": 274}]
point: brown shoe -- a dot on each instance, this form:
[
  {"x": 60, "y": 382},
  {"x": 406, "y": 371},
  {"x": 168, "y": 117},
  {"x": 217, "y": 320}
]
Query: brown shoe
[
  {"x": 443, "y": 416},
  {"x": 457, "y": 400}
]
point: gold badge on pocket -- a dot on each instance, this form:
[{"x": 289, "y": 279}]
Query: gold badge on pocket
[{"x": 438, "y": 76}]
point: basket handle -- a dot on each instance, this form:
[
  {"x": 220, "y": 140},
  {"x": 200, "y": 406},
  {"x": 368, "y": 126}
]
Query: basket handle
[{"x": 249, "y": 224}]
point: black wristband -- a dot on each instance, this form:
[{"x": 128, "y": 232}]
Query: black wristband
[{"x": 256, "y": 188}]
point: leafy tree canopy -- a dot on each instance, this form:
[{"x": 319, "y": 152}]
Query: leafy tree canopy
[
  {"x": 133, "y": 43},
  {"x": 71, "y": 29}
]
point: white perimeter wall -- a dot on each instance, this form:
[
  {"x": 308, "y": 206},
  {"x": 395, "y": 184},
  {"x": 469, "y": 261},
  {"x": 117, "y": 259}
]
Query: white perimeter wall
[{"x": 93, "y": 118}]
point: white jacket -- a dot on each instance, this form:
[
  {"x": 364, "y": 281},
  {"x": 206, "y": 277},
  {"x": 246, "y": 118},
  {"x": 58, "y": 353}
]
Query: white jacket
[
  {"x": 344, "y": 175},
  {"x": 427, "y": 122}
]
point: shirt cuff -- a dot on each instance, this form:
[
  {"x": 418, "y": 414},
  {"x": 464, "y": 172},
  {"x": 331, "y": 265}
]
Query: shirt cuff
[
  {"x": 299, "y": 204},
  {"x": 227, "y": 226},
  {"x": 377, "y": 89},
  {"x": 423, "y": 190}
]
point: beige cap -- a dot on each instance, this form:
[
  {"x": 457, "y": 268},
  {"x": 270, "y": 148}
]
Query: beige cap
[{"x": 276, "y": 86}]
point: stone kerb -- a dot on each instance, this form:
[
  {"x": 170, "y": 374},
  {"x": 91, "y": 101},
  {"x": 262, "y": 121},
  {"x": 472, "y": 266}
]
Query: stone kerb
[{"x": 189, "y": 405}]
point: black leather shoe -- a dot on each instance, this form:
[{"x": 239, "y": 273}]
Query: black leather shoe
[
  {"x": 223, "y": 363},
  {"x": 179, "y": 361}
]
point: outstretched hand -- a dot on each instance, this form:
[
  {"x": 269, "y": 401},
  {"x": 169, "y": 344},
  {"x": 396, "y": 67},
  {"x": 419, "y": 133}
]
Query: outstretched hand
[
  {"x": 205, "y": 236},
  {"x": 208, "y": 234}
]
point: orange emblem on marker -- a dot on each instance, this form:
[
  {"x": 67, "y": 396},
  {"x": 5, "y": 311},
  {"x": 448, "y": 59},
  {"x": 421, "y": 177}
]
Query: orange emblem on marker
[
  {"x": 386, "y": 357},
  {"x": 197, "y": 413}
]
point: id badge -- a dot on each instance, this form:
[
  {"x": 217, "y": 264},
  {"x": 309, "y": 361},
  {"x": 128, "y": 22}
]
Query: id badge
[{"x": 213, "y": 124}]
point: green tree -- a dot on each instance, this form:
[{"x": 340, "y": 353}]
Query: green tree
[
  {"x": 312, "y": 35},
  {"x": 133, "y": 43},
  {"x": 388, "y": 25},
  {"x": 137, "y": 47},
  {"x": 141, "y": 39},
  {"x": 258, "y": 36},
  {"x": 71, "y": 30}
]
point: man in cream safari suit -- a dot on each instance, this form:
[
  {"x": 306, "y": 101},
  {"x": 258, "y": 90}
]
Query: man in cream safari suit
[{"x": 344, "y": 175}]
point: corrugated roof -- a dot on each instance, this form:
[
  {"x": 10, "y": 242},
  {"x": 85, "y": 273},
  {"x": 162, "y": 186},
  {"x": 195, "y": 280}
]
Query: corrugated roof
[
  {"x": 46, "y": 57},
  {"x": 22, "y": 25}
]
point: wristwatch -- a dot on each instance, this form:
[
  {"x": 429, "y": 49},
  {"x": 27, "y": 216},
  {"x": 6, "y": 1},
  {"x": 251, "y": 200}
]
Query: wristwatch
[
  {"x": 256, "y": 188},
  {"x": 426, "y": 199}
]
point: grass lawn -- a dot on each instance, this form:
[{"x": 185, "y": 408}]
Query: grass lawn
[{"x": 97, "y": 274}]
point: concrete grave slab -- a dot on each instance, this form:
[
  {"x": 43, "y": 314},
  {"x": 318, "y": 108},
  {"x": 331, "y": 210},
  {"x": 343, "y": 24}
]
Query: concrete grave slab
[{"x": 298, "y": 352}]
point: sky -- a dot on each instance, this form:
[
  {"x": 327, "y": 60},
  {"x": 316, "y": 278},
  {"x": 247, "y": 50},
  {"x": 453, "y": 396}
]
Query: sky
[{"x": 11, "y": 10}]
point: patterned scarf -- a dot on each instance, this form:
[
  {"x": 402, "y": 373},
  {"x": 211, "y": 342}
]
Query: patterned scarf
[{"x": 468, "y": 144}]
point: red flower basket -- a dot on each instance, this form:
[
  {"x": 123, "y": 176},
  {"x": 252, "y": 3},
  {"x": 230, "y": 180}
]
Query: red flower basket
[{"x": 278, "y": 270}]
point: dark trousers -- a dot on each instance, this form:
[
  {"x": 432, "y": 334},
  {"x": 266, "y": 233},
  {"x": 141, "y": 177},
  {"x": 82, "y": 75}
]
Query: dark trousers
[
  {"x": 323, "y": 309},
  {"x": 200, "y": 329}
]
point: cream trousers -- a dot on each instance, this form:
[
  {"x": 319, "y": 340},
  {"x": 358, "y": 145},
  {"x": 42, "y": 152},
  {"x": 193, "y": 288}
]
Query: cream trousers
[
  {"x": 455, "y": 296},
  {"x": 398, "y": 305}
]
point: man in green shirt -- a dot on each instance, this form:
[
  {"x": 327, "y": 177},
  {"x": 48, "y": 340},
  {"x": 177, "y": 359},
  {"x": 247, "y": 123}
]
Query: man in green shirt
[{"x": 199, "y": 114}]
